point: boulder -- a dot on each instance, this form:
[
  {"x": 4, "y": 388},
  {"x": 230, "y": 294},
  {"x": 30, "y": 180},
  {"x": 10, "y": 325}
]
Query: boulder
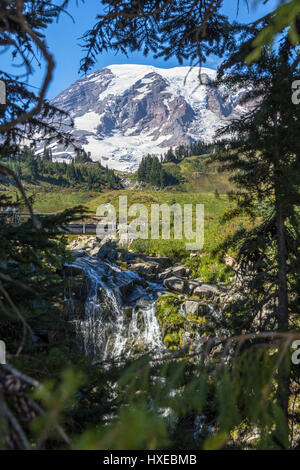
[
  {"x": 126, "y": 290},
  {"x": 195, "y": 307},
  {"x": 179, "y": 271},
  {"x": 127, "y": 312},
  {"x": 108, "y": 252},
  {"x": 176, "y": 284},
  {"x": 94, "y": 251},
  {"x": 162, "y": 261},
  {"x": 192, "y": 307},
  {"x": 145, "y": 268},
  {"x": 109, "y": 238},
  {"x": 165, "y": 275},
  {"x": 191, "y": 286},
  {"x": 206, "y": 291},
  {"x": 186, "y": 338},
  {"x": 70, "y": 271}
]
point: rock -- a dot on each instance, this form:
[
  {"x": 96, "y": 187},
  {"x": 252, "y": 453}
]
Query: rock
[
  {"x": 176, "y": 284},
  {"x": 142, "y": 303},
  {"x": 179, "y": 271},
  {"x": 127, "y": 312},
  {"x": 126, "y": 290},
  {"x": 94, "y": 252},
  {"x": 126, "y": 239},
  {"x": 165, "y": 275},
  {"x": 163, "y": 261},
  {"x": 191, "y": 286},
  {"x": 192, "y": 307},
  {"x": 186, "y": 338},
  {"x": 206, "y": 291},
  {"x": 70, "y": 271},
  {"x": 83, "y": 242},
  {"x": 110, "y": 238},
  {"x": 77, "y": 307},
  {"x": 145, "y": 269},
  {"x": 12, "y": 265},
  {"x": 108, "y": 252},
  {"x": 231, "y": 262}
]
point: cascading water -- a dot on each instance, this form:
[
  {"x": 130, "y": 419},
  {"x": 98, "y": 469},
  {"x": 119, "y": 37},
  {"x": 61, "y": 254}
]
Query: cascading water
[{"x": 119, "y": 319}]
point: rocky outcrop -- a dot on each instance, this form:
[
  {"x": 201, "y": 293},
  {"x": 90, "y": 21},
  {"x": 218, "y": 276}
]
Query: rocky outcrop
[
  {"x": 193, "y": 288},
  {"x": 207, "y": 291}
]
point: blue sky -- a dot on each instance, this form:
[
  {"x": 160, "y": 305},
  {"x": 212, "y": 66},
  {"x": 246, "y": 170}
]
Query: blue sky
[{"x": 64, "y": 42}]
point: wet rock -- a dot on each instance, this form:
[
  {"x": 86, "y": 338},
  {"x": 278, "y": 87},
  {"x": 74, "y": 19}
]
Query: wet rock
[
  {"x": 94, "y": 252},
  {"x": 126, "y": 289},
  {"x": 12, "y": 265},
  {"x": 78, "y": 308},
  {"x": 70, "y": 271},
  {"x": 128, "y": 311},
  {"x": 108, "y": 252}
]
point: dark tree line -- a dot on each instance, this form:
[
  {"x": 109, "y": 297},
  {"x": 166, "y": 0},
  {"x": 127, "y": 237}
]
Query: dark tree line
[
  {"x": 80, "y": 172},
  {"x": 197, "y": 148},
  {"x": 151, "y": 171}
]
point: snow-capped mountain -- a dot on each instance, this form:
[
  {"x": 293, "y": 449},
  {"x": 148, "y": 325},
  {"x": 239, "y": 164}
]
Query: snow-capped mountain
[{"x": 123, "y": 112}]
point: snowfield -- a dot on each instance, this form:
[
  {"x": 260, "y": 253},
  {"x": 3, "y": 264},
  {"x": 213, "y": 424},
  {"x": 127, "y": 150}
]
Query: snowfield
[{"x": 123, "y": 112}]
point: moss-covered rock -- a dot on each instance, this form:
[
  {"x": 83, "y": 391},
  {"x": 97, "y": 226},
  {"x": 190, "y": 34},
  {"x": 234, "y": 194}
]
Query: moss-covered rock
[
  {"x": 179, "y": 327},
  {"x": 171, "y": 321}
]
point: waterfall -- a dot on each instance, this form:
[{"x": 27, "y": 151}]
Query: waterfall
[{"x": 119, "y": 319}]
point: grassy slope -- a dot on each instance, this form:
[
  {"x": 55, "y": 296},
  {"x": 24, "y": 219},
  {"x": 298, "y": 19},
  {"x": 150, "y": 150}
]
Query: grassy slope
[
  {"x": 198, "y": 187},
  {"x": 198, "y": 176}
]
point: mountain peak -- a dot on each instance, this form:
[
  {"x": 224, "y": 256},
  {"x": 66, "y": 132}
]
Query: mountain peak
[{"x": 122, "y": 112}]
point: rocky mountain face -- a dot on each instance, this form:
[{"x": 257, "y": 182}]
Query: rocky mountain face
[{"x": 123, "y": 112}]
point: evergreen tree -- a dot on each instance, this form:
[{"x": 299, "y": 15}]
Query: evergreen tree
[{"x": 264, "y": 160}]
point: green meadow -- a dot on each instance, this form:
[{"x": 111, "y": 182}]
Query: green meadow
[{"x": 198, "y": 184}]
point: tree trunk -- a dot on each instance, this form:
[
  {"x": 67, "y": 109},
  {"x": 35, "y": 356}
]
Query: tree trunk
[{"x": 282, "y": 311}]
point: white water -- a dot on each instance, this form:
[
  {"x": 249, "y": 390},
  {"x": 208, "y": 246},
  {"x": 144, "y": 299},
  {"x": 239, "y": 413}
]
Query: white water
[{"x": 119, "y": 319}]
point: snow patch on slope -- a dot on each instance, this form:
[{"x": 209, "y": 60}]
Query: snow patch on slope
[{"x": 88, "y": 122}]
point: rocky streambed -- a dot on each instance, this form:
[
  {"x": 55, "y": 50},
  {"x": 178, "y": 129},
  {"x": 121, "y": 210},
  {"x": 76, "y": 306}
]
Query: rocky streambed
[{"x": 132, "y": 304}]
